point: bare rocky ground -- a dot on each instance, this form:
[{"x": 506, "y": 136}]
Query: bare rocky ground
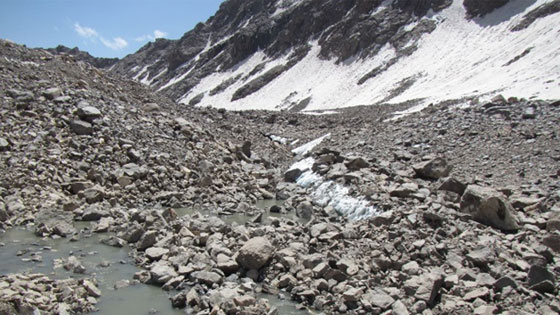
[{"x": 468, "y": 198}]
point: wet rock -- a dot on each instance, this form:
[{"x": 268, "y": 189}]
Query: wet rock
[
  {"x": 255, "y": 253},
  {"x": 75, "y": 265},
  {"x": 489, "y": 207},
  {"x": 433, "y": 169}
]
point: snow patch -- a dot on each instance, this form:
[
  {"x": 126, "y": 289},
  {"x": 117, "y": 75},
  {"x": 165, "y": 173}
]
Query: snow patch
[
  {"x": 306, "y": 148},
  {"x": 460, "y": 59},
  {"x": 329, "y": 193}
]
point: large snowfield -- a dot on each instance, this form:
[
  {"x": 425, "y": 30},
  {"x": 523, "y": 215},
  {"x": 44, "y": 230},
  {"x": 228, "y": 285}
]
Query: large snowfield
[{"x": 461, "y": 58}]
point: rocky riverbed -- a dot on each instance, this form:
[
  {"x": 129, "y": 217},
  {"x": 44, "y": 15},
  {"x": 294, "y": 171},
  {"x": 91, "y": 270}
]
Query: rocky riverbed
[{"x": 454, "y": 209}]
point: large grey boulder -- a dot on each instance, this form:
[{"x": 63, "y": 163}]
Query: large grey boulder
[
  {"x": 433, "y": 169},
  {"x": 255, "y": 253},
  {"x": 489, "y": 207}
]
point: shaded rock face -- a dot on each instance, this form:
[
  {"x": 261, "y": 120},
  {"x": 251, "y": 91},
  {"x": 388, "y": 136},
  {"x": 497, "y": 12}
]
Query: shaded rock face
[
  {"x": 482, "y": 7},
  {"x": 239, "y": 29},
  {"x": 489, "y": 207}
]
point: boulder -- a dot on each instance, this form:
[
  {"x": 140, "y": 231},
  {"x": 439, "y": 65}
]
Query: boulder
[
  {"x": 433, "y": 169},
  {"x": 88, "y": 113},
  {"x": 292, "y": 175},
  {"x": 540, "y": 279},
  {"x": 161, "y": 272},
  {"x": 81, "y": 128},
  {"x": 489, "y": 207},
  {"x": 255, "y": 253}
]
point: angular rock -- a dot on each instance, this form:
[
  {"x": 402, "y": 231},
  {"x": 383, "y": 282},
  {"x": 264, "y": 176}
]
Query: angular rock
[
  {"x": 81, "y": 128},
  {"x": 378, "y": 298},
  {"x": 88, "y": 113},
  {"x": 433, "y": 169},
  {"x": 489, "y": 207},
  {"x": 292, "y": 175},
  {"x": 207, "y": 277},
  {"x": 540, "y": 279},
  {"x": 161, "y": 272},
  {"x": 155, "y": 253},
  {"x": 255, "y": 253}
]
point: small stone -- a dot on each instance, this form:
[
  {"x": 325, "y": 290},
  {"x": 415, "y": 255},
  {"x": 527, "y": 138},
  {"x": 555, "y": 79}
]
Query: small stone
[{"x": 4, "y": 144}]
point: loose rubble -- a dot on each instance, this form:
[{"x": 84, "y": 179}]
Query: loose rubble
[{"x": 467, "y": 199}]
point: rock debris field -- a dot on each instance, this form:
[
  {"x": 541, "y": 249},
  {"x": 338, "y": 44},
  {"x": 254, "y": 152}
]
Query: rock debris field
[{"x": 457, "y": 206}]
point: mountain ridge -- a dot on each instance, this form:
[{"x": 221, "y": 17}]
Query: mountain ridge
[{"x": 319, "y": 55}]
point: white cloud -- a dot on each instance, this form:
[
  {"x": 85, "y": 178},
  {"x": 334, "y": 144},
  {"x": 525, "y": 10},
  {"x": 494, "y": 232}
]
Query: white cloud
[
  {"x": 150, "y": 37},
  {"x": 117, "y": 43},
  {"x": 159, "y": 34},
  {"x": 86, "y": 32}
]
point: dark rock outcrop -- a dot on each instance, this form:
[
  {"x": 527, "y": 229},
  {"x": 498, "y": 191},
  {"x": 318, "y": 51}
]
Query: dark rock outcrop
[{"x": 482, "y": 7}]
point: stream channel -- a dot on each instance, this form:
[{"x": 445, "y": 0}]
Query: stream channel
[{"x": 23, "y": 252}]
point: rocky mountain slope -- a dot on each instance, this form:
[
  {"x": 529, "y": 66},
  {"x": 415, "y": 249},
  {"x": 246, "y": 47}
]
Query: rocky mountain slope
[
  {"x": 316, "y": 55},
  {"x": 80, "y": 55},
  {"x": 458, "y": 205}
]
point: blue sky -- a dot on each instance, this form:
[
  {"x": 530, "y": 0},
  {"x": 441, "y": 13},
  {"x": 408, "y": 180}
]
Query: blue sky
[{"x": 104, "y": 28}]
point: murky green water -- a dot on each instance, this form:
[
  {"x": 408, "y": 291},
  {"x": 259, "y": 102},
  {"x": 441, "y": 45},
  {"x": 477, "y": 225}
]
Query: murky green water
[{"x": 107, "y": 264}]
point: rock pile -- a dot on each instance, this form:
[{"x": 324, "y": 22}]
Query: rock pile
[{"x": 467, "y": 198}]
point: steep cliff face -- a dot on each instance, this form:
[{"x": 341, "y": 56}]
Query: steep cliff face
[{"x": 317, "y": 54}]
